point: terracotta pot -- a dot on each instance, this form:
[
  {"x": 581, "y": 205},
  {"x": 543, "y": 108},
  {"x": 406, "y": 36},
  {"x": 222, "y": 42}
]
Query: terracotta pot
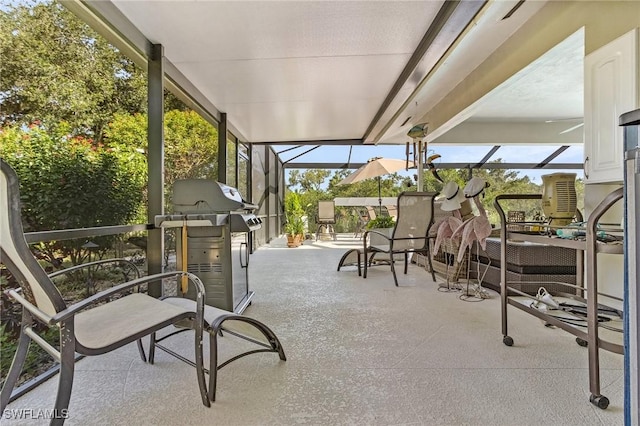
[{"x": 294, "y": 240}]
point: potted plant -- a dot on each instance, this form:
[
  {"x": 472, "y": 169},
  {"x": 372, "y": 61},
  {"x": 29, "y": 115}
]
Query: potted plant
[
  {"x": 381, "y": 222},
  {"x": 294, "y": 228},
  {"x": 383, "y": 225},
  {"x": 289, "y": 230},
  {"x": 298, "y": 228}
]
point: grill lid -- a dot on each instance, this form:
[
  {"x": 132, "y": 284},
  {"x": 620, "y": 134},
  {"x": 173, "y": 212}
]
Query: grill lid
[{"x": 206, "y": 196}]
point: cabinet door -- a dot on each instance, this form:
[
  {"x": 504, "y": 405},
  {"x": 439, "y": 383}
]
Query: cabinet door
[{"x": 611, "y": 88}]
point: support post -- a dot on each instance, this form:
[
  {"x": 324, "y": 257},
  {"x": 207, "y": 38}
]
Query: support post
[
  {"x": 420, "y": 166},
  {"x": 222, "y": 148},
  {"x": 279, "y": 171},
  {"x": 268, "y": 189},
  {"x": 155, "y": 161}
]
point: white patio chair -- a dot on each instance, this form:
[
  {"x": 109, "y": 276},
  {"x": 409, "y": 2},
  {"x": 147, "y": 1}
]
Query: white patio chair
[
  {"x": 410, "y": 233},
  {"x": 326, "y": 218}
]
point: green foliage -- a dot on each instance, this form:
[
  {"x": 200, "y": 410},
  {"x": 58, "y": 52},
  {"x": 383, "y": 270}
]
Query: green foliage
[
  {"x": 37, "y": 361},
  {"x": 289, "y": 228},
  {"x": 298, "y": 226},
  {"x": 293, "y": 212},
  {"x": 127, "y": 130},
  {"x": 294, "y": 225},
  {"x": 381, "y": 222},
  {"x": 293, "y": 204},
  {"x": 56, "y": 68},
  {"x": 191, "y": 144},
  {"x": 73, "y": 182},
  {"x": 191, "y": 147},
  {"x": 309, "y": 180},
  {"x": 501, "y": 181}
]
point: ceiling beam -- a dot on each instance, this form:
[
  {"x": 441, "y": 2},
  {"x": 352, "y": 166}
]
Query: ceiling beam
[
  {"x": 552, "y": 156},
  {"x": 550, "y": 25},
  {"x": 434, "y": 29},
  {"x": 486, "y": 157},
  {"x": 301, "y": 154},
  {"x": 289, "y": 149},
  {"x": 488, "y": 166},
  {"x": 313, "y": 142},
  {"x": 451, "y": 21}
]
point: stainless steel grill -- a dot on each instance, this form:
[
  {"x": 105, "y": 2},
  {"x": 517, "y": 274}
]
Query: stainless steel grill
[
  {"x": 201, "y": 196},
  {"x": 217, "y": 222}
]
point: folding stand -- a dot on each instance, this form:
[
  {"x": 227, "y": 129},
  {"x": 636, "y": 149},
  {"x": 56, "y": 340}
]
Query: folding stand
[
  {"x": 452, "y": 269},
  {"x": 477, "y": 293}
]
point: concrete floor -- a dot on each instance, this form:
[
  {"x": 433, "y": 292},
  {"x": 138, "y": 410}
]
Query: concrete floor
[{"x": 360, "y": 352}]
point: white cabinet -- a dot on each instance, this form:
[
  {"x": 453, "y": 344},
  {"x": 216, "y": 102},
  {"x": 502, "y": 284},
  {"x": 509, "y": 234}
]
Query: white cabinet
[{"x": 611, "y": 88}]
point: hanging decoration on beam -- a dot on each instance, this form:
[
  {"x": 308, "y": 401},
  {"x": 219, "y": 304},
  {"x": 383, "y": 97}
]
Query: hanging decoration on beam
[
  {"x": 417, "y": 133},
  {"x": 432, "y": 167}
]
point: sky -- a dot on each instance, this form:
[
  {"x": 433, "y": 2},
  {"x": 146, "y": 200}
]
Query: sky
[{"x": 449, "y": 154}]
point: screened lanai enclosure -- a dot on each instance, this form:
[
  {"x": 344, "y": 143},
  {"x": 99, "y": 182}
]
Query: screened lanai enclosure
[
  {"x": 298, "y": 85},
  {"x": 359, "y": 76}
]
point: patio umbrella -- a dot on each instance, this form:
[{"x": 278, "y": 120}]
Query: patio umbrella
[{"x": 375, "y": 168}]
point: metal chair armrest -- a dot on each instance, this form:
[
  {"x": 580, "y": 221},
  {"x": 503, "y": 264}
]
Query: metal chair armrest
[
  {"x": 373, "y": 231},
  {"x": 92, "y": 300},
  {"x": 14, "y": 294},
  {"x": 97, "y": 262}
]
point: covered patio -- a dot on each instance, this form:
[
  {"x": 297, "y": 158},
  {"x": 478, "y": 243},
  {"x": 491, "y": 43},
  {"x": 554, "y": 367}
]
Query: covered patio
[{"x": 359, "y": 351}]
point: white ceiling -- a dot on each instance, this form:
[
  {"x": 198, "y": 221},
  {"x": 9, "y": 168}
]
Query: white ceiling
[
  {"x": 541, "y": 104},
  {"x": 550, "y": 88},
  {"x": 322, "y": 70},
  {"x": 288, "y": 70}
]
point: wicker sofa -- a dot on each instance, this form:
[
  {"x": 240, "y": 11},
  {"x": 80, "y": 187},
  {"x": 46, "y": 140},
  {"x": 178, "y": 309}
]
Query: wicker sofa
[
  {"x": 529, "y": 266},
  {"x": 532, "y": 265}
]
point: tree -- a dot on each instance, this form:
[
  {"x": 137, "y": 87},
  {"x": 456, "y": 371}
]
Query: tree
[
  {"x": 191, "y": 144},
  {"x": 73, "y": 182},
  {"x": 56, "y": 68},
  {"x": 501, "y": 181},
  {"x": 309, "y": 180}
]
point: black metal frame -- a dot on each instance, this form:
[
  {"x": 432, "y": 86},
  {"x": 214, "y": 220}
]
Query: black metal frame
[
  {"x": 215, "y": 328},
  {"x": 588, "y": 295}
]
